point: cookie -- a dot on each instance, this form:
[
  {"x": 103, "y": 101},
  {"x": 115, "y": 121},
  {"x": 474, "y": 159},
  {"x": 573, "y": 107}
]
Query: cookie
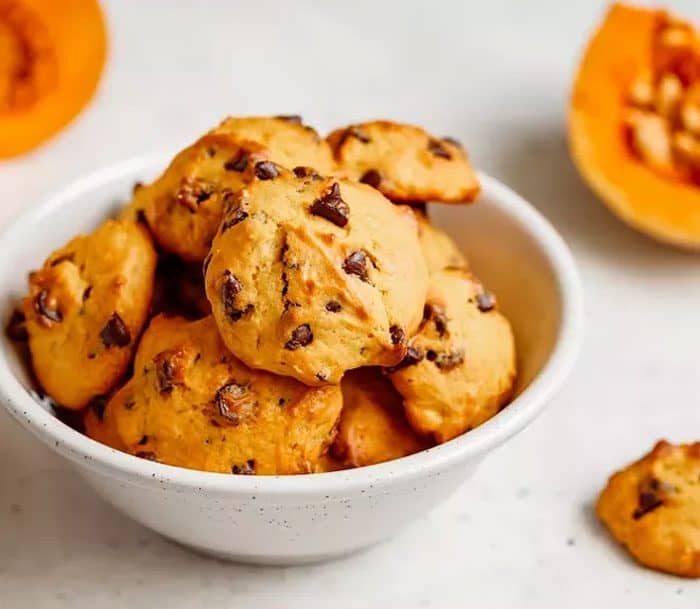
[
  {"x": 183, "y": 207},
  {"x": 86, "y": 308},
  {"x": 439, "y": 251},
  {"x": 373, "y": 426},
  {"x": 193, "y": 404},
  {"x": 328, "y": 463},
  {"x": 101, "y": 427},
  {"x": 460, "y": 366},
  {"x": 290, "y": 142},
  {"x": 652, "y": 507},
  {"x": 309, "y": 277},
  {"x": 405, "y": 162}
]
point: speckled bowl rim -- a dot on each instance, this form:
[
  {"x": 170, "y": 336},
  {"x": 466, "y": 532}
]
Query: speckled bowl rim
[{"x": 82, "y": 450}]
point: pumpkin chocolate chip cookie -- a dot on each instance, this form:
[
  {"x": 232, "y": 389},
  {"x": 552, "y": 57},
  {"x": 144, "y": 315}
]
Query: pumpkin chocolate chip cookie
[
  {"x": 373, "y": 426},
  {"x": 183, "y": 207},
  {"x": 85, "y": 310},
  {"x": 309, "y": 277},
  {"x": 439, "y": 251},
  {"x": 652, "y": 507},
  {"x": 290, "y": 142},
  {"x": 460, "y": 366},
  {"x": 405, "y": 162},
  {"x": 192, "y": 403}
]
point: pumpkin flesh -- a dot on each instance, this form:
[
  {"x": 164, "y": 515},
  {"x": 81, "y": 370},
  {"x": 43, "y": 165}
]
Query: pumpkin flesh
[
  {"x": 631, "y": 104},
  {"x": 51, "y": 57}
]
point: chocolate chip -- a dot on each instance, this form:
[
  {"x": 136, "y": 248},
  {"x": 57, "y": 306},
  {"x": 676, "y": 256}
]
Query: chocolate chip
[
  {"x": 486, "y": 301},
  {"x": 301, "y": 336},
  {"x": 147, "y": 454},
  {"x": 245, "y": 469},
  {"x": 437, "y": 148},
  {"x": 115, "y": 333},
  {"x": 98, "y": 405},
  {"x": 238, "y": 163},
  {"x": 290, "y": 118},
  {"x": 211, "y": 152},
  {"x": 86, "y": 293},
  {"x": 170, "y": 370},
  {"x": 322, "y": 376},
  {"x": 129, "y": 403},
  {"x": 141, "y": 218},
  {"x": 192, "y": 192},
  {"x": 333, "y": 306},
  {"x": 332, "y": 207},
  {"x": 431, "y": 355},
  {"x": 43, "y": 308},
  {"x": 449, "y": 360},
  {"x": 233, "y": 217},
  {"x": 230, "y": 288},
  {"x": 266, "y": 170},
  {"x": 649, "y": 498},
  {"x": 306, "y": 172},
  {"x": 16, "y": 328},
  {"x": 356, "y": 264},
  {"x": 453, "y": 141},
  {"x": 413, "y": 356},
  {"x": 372, "y": 178},
  {"x": 235, "y": 403},
  {"x": 398, "y": 336},
  {"x": 143, "y": 440},
  {"x": 136, "y": 187}
]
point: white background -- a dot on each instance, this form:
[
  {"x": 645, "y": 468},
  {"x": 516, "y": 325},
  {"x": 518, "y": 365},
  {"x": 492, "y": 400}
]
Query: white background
[{"x": 496, "y": 75}]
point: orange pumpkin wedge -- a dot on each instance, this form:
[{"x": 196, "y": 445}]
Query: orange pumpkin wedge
[
  {"x": 52, "y": 53},
  {"x": 634, "y": 122}
]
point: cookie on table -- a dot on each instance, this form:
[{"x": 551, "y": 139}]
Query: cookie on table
[
  {"x": 290, "y": 142},
  {"x": 85, "y": 310},
  {"x": 373, "y": 426},
  {"x": 192, "y": 403},
  {"x": 439, "y": 251},
  {"x": 405, "y": 162},
  {"x": 309, "y": 277},
  {"x": 460, "y": 366},
  {"x": 652, "y": 507},
  {"x": 183, "y": 207}
]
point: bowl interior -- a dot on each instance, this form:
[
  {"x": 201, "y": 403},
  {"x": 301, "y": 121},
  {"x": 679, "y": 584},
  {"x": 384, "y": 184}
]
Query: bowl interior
[{"x": 501, "y": 236}]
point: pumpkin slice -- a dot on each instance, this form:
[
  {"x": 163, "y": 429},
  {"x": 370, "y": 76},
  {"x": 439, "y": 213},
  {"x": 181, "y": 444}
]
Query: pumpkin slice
[
  {"x": 634, "y": 122},
  {"x": 51, "y": 56}
]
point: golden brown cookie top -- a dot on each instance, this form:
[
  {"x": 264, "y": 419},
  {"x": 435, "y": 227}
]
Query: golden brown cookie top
[
  {"x": 290, "y": 142},
  {"x": 439, "y": 251},
  {"x": 312, "y": 276},
  {"x": 653, "y": 508},
  {"x": 192, "y": 403},
  {"x": 405, "y": 162},
  {"x": 460, "y": 366},
  {"x": 183, "y": 207},
  {"x": 373, "y": 426},
  {"x": 85, "y": 310}
]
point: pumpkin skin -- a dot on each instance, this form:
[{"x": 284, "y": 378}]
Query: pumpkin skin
[
  {"x": 52, "y": 53},
  {"x": 662, "y": 206}
]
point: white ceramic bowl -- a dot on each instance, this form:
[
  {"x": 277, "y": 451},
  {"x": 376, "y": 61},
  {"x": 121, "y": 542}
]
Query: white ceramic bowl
[{"x": 292, "y": 519}]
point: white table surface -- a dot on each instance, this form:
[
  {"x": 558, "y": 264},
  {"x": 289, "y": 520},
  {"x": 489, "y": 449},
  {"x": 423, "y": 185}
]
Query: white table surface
[{"x": 496, "y": 75}]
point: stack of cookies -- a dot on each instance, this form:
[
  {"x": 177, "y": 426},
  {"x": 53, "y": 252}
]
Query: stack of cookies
[{"x": 276, "y": 303}]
